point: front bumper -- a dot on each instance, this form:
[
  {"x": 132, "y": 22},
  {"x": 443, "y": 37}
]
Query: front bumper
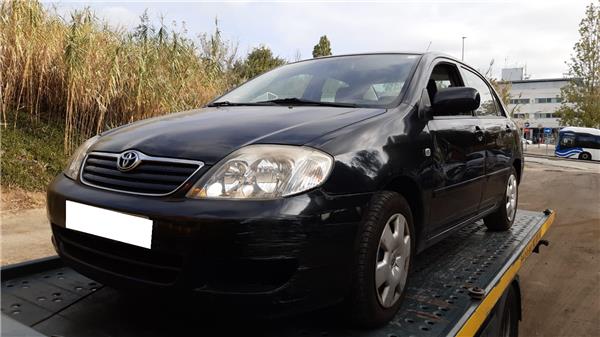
[{"x": 293, "y": 250}]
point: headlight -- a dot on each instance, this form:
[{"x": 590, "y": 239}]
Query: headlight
[
  {"x": 264, "y": 172},
  {"x": 74, "y": 165}
]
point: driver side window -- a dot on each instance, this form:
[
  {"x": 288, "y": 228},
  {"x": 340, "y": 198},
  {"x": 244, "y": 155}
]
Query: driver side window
[{"x": 444, "y": 75}]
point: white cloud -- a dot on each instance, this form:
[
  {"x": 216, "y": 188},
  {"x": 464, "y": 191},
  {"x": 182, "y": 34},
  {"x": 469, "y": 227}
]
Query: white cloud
[{"x": 119, "y": 16}]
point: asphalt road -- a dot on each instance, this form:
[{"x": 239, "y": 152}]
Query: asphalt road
[{"x": 560, "y": 286}]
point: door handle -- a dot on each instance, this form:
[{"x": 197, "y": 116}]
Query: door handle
[{"x": 478, "y": 134}]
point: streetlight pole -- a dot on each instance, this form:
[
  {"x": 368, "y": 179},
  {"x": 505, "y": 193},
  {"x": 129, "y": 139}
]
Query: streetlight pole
[{"x": 462, "y": 58}]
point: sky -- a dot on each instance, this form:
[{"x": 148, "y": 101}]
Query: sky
[{"x": 537, "y": 35}]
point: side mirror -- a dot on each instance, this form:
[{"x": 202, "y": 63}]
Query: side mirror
[{"x": 455, "y": 100}]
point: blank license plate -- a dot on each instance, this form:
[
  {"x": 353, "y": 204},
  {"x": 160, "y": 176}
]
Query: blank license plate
[{"x": 131, "y": 229}]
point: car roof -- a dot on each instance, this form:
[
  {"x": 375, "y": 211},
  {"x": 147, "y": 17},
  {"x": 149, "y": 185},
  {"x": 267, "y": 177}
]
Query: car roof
[
  {"x": 431, "y": 54},
  {"x": 428, "y": 56},
  {"x": 591, "y": 131}
]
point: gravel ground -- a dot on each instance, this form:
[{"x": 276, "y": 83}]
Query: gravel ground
[
  {"x": 560, "y": 286},
  {"x": 25, "y": 235}
]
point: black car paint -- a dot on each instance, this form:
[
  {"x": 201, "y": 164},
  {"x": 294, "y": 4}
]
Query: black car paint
[
  {"x": 210, "y": 134},
  {"x": 374, "y": 149},
  {"x": 207, "y": 235}
]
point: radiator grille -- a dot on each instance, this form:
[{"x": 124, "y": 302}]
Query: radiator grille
[{"x": 153, "y": 176}]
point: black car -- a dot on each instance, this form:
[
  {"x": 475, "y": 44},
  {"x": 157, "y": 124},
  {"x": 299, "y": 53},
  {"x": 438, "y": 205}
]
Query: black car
[{"x": 312, "y": 184}]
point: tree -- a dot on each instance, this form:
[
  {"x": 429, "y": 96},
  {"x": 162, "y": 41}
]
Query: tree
[
  {"x": 503, "y": 89},
  {"x": 581, "y": 97},
  {"x": 297, "y": 55},
  {"x": 323, "y": 48},
  {"x": 258, "y": 61}
]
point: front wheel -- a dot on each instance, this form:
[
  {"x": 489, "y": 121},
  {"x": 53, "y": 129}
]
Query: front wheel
[
  {"x": 585, "y": 156},
  {"x": 385, "y": 250},
  {"x": 503, "y": 218}
]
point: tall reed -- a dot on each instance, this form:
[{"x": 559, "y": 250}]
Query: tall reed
[{"x": 93, "y": 77}]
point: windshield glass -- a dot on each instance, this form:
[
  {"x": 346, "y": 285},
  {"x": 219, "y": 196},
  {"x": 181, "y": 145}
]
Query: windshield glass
[
  {"x": 567, "y": 140},
  {"x": 363, "y": 80}
]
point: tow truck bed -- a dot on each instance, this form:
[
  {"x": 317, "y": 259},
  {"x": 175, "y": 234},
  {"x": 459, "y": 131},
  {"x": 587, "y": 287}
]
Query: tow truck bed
[{"x": 453, "y": 291}]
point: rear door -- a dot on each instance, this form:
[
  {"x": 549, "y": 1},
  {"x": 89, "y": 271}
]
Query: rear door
[
  {"x": 458, "y": 157},
  {"x": 498, "y": 140}
]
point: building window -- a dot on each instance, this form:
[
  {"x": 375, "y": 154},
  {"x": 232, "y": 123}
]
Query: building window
[
  {"x": 547, "y": 115},
  {"x": 548, "y": 100},
  {"x": 519, "y": 101}
]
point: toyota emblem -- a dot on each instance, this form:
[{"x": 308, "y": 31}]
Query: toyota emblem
[{"x": 128, "y": 160}]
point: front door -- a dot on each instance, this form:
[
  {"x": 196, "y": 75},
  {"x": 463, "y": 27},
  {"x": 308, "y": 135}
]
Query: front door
[{"x": 458, "y": 155}]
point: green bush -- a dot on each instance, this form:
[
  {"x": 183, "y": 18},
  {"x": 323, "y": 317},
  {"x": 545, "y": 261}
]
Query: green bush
[{"x": 31, "y": 154}]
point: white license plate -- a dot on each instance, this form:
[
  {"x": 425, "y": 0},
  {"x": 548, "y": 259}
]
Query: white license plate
[{"x": 131, "y": 229}]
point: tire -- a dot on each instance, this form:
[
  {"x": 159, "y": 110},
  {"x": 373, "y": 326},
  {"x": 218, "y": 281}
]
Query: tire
[
  {"x": 509, "y": 323},
  {"x": 503, "y": 218},
  {"x": 371, "y": 306},
  {"x": 585, "y": 156}
]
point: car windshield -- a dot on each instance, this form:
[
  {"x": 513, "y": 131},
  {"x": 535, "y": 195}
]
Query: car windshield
[
  {"x": 374, "y": 80},
  {"x": 567, "y": 140}
]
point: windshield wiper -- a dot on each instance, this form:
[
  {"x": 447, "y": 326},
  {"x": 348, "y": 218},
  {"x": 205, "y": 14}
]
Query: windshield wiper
[
  {"x": 283, "y": 101},
  {"x": 300, "y": 101},
  {"x": 228, "y": 103}
]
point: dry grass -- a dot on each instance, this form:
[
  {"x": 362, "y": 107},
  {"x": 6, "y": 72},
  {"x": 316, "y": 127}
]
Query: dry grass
[{"x": 92, "y": 77}]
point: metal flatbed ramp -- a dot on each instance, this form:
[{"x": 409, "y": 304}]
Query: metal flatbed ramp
[{"x": 455, "y": 285}]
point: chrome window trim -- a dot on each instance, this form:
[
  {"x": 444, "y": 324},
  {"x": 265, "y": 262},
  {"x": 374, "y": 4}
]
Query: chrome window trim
[{"x": 143, "y": 157}]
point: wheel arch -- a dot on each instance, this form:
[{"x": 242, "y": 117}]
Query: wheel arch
[
  {"x": 580, "y": 156},
  {"x": 411, "y": 191},
  {"x": 518, "y": 165}
]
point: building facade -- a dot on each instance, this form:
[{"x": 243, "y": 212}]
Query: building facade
[{"x": 536, "y": 102}]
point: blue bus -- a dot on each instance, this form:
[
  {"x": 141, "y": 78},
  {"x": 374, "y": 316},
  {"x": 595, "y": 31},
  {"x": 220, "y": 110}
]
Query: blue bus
[{"x": 578, "y": 142}]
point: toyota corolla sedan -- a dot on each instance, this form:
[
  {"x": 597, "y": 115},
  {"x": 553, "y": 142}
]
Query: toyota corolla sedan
[{"x": 313, "y": 184}]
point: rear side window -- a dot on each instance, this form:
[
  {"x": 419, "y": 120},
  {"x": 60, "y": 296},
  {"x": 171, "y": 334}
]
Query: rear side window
[{"x": 488, "y": 106}]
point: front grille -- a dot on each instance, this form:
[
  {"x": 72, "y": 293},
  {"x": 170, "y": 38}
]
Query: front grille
[{"x": 153, "y": 176}]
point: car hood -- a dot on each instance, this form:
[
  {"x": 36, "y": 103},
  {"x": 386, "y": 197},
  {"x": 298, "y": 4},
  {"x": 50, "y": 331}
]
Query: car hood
[{"x": 212, "y": 133}]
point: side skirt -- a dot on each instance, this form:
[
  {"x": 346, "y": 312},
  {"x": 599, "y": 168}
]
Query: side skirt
[{"x": 430, "y": 241}]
